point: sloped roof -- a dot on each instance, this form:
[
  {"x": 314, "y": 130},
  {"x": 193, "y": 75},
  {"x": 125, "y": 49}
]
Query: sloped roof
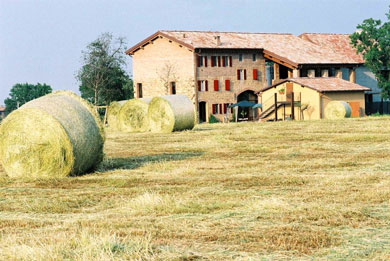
[
  {"x": 2, "y": 108},
  {"x": 338, "y": 42},
  {"x": 323, "y": 84},
  {"x": 286, "y": 47}
]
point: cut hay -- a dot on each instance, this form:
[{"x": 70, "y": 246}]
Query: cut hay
[
  {"x": 337, "y": 110},
  {"x": 133, "y": 116},
  {"x": 171, "y": 113},
  {"x": 54, "y": 136},
  {"x": 113, "y": 114}
]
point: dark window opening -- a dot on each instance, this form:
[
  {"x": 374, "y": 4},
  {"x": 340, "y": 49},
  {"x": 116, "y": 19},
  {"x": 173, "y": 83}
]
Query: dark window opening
[
  {"x": 332, "y": 72},
  {"x": 173, "y": 88},
  {"x": 240, "y": 57},
  {"x": 213, "y": 61},
  {"x": 254, "y": 57},
  {"x": 283, "y": 72},
  {"x": 139, "y": 90}
]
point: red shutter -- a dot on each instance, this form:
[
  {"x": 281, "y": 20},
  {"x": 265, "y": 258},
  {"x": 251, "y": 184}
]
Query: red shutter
[
  {"x": 254, "y": 74},
  {"x": 212, "y": 61},
  {"x": 230, "y": 61},
  {"x": 225, "y": 108},
  {"x": 216, "y": 85},
  {"x": 199, "y": 86},
  {"x": 205, "y": 61},
  {"x": 198, "y": 60},
  {"x": 238, "y": 75},
  {"x": 223, "y": 61},
  {"x": 220, "y": 108},
  {"x": 219, "y": 61},
  {"x": 213, "y": 108},
  {"x": 207, "y": 86},
  {"x": 227, "y": 85},
  {"x": 245, "y": 74}
]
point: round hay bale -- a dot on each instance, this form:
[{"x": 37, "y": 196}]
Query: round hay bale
[
  {"x": 171, "y": 113},
  {"x": 337, "y": 110},
  {"x": 53, "y": 136},
  {"x": 113, "y": 114},
  {"x": 133, "y": 116}
]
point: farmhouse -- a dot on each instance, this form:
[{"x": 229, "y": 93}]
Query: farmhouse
[
  {"x": 217, "y": 69},
  {"x": 308, "y": 97},
  {"x": 2, "y": 112}
]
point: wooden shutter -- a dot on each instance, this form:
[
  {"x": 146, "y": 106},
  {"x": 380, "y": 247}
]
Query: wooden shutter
[
  {"x": 214, "y": 109},
  {"x": 225, "y": 108},
  {"x": 219, "y": 61},
  {"x": 207, "y": 86},
  {"x": 199, "y": 86},
  {"x": 230, "y": 61},
  {"x": 199, "y": 57},
  {"x": 216, "y": 85},
  {"x": 244, "y": 74},
  {"x": 205, "y": 61},
  {"x": 220, "y": 108},
  {"x": 254, "y": 74},
  {"x": 238, "y": 75},
  {"x": 212, "y": 61},
  {"x": 223, "y": 61},
  {"x": 227, "y": 85}
]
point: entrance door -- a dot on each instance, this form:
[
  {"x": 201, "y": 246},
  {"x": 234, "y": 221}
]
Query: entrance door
[
  {"x": 202, "y": 112},
  {"x": 289, "y": 90}
]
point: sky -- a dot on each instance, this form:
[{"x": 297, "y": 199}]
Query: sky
[{"x": 41, "y": 41}]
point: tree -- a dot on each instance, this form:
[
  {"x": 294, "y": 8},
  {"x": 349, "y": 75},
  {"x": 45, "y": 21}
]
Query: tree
[
  {"x": 103, "y": 77},
  {"x": 25, "y": 92},
  {"x": 373, "y": 41}
]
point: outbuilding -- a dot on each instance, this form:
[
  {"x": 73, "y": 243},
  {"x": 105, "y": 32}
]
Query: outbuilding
[{"x": 309, "y": 98}]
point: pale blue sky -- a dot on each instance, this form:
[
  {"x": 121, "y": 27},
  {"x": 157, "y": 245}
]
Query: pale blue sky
[{"x": 41, "y": 40}]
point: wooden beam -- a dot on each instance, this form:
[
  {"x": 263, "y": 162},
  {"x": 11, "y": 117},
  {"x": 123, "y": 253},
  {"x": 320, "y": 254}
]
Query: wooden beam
[{"x": 278, "y": 60}]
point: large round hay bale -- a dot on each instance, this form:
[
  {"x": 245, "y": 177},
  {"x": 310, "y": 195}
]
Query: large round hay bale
[
  {"x": 133, "y": 116},
  {"x": 337, "y": 110},
  {"x": 171, "y": 113},
  {"x": 53, "y": 136},
  {"x": 113, "y": 114}
]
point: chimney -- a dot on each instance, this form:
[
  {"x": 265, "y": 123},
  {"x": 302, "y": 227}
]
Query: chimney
[{"x": 218, "y": 40}]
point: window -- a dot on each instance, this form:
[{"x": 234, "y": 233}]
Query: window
[
  {"x": 205, "y": 61},
  {"x": 213, "y": 61},
  {"x": 219, "y": 61},
  {"x": 225, "y": 61},
  {"x": 216, "y": 85},
  {"x": 254, "y": 74},
  {"x": 225, "y": 107},
  {"x": 240, "y": 57},
  {"x": 332, "y": 72},
  {"x": 230, "y": 61},
  {"x": 139, "y": 87},
  {"x": 203, "y": 86},
  {"x": 215, "y": 108},
  {"x": 227, "y": 85},
  {"x": 220, "y": 108},
  {"x": 241, "y": 74},
  {"x": 173, "y": 88},
  {"x": 200, "y": 61},
  {"x": 254, "y": 57}
]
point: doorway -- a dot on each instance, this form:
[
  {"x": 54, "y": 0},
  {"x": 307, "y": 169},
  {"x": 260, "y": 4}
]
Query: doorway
[{"x": 202, "y": 112}]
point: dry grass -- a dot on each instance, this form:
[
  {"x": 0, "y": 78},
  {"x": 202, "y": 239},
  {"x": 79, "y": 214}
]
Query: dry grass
[{"x": 249, "y": 191}]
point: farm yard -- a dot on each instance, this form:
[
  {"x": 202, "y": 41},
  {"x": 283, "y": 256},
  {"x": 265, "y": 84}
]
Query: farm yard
[{"x": 278, "y": 190}]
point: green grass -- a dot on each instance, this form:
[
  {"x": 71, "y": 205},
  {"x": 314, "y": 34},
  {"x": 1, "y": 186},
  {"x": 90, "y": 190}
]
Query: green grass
[{"x": 248, "y": 191}]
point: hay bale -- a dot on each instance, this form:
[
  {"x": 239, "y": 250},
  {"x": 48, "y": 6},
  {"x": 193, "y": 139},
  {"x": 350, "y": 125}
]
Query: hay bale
[
  {"x": 337, "y": 110},
  {"x": 171, "y": 113},
  {"x": 113, "y": 114},
  {"x": 53, "y": 136},
  {"x": 133, "y": 116}
]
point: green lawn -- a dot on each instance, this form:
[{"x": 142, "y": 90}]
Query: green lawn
[{"x": 304, "y": 190}]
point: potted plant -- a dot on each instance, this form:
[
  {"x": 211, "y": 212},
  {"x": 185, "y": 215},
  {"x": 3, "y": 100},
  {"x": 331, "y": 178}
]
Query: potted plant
[{"x": 281, "y": 91}]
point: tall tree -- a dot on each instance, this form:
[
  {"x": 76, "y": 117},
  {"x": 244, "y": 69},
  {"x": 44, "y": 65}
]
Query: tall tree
[
  {"x": 103, "y": 77},
  {"x": 25, "y": 92},
  {"x": 372, "y": 39}
]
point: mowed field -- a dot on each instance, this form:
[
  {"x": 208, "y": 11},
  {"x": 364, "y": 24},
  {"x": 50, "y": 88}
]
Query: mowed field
[{"x": 250, "y": 191}]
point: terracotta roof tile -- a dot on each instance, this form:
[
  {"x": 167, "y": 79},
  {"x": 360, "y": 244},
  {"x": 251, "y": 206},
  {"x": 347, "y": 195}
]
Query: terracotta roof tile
[
  {"x": 288, "y": 46},
  {"x": 337, "y": 42},
  {"x": 323, "y": 84}
]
